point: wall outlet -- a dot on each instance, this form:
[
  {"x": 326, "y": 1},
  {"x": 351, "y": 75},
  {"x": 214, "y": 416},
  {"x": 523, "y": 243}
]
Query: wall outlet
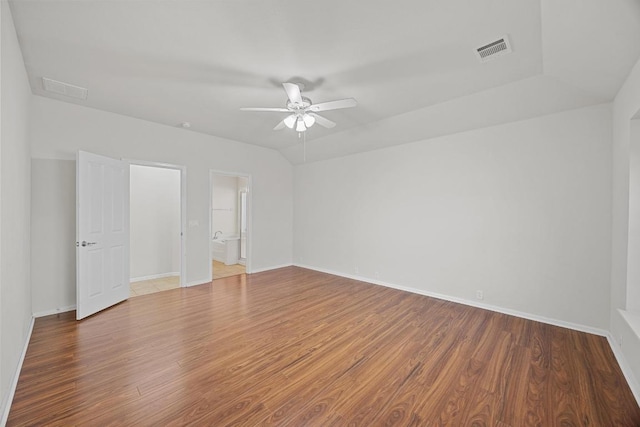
[
  {"x": 377, "y": 275},
  {"x": 620, "y": 341},
  {"x": 479, "y": 295},
  {"x": 357, "y": 270}
]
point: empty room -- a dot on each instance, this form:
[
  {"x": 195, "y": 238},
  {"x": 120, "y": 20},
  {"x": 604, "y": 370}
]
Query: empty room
[{"x": 365, "y": 213}]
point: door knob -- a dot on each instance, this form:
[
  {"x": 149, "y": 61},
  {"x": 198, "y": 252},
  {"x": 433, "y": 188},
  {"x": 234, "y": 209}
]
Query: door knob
[{"x": 85, "y": 243}]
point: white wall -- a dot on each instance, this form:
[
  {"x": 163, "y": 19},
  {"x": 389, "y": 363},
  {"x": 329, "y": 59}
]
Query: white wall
[
  {"x": 224, "y": 215},
  {"x": 633, "y": 247},
  {"x": 53, "y": 215},
  {"x": 155, "y": 221},
  {"x": 520, "y": 211},
  {"x": 58, "y": 129},
  {"x": 15, "y": 287},
  {"x": 625, "y": 106},
  {"x": 4, "y": 393}
]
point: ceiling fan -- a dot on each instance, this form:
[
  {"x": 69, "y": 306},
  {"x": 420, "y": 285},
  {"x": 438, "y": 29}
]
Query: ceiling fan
[{"x": 302, "y": 112}]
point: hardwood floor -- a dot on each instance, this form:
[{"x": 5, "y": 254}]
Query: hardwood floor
[{"x": 294, "y": 347}]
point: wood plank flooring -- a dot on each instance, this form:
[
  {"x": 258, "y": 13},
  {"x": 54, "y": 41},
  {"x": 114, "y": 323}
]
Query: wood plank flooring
[{"x": 294, "y": 347}]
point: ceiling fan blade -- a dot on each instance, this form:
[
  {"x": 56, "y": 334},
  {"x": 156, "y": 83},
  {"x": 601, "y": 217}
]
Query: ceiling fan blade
[
  {"x": 333, "y": 105},
  {"x": 280, "y": 125},
  {"x": 277, "y": 110},
  {"x": 293, "y": 92},
  {"x": 322, "y": 121}
]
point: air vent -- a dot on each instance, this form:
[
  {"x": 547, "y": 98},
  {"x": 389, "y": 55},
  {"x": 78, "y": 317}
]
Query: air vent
[
  {"x": 64, "y": 89},
  {"x": 494, "y": 49}
]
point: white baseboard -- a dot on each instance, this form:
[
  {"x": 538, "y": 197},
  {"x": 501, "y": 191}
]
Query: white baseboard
[
  {"x": 54, "y": 311},
  {"x": 154, "y": 276},
  {"x": 624, "y": 366},
  {"x": 633, "y": 320},
  {"x": 14, "y": 383},
  {"x": 273, "y": 267}
]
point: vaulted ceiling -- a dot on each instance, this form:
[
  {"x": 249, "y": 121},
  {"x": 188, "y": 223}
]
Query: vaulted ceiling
[{"x": 409, "y": 63}]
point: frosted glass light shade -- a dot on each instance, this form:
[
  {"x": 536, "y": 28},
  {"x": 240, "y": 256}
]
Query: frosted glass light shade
[
  {"x": 290, "y": 121},
  {"x": 309, "y": 120}
]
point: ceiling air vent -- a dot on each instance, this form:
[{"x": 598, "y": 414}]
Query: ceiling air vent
[
  {"x": 494, "y": 49},
  {"x": 65, "y": 89}
]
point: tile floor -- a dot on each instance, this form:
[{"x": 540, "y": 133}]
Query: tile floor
[
  {"x": 144, "y": 287},
  {"x": 154, "y": 285},
  {"x": 221, "y": 270}
]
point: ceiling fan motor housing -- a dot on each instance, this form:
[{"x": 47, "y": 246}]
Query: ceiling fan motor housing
[{"x": 306, "y": 103}]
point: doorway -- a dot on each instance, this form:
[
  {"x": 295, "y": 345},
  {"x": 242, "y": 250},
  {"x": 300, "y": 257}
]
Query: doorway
[
  {"x": 156, "y": 228},
  {"x": 229, "y": 224}
]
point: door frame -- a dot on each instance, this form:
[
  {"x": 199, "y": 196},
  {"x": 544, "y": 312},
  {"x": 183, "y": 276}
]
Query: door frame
[
  {"x": 183, "y": 209},
  {"x": 249, "y": 259}
]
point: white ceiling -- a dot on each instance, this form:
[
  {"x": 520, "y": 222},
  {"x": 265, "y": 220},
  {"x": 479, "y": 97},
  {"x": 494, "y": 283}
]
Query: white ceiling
[{"x": 409, "y": 63}]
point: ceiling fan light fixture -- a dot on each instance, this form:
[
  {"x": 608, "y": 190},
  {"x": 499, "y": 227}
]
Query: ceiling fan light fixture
[
  {"x": 300, "y": 127},
  {"x": 309, "y": 120},
  {"x": 290, "y": 121},
  {"x": 302, "y": 112}
]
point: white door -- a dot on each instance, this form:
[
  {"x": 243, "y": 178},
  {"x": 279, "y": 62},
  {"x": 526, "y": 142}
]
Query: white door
[{"x": 102, "y": 231}]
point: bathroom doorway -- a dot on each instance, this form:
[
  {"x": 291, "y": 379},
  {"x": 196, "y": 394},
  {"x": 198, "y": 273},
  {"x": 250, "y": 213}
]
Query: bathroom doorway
[
  {"x": 156, "y": 227},
  {"x": 229, "y": 224}
]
